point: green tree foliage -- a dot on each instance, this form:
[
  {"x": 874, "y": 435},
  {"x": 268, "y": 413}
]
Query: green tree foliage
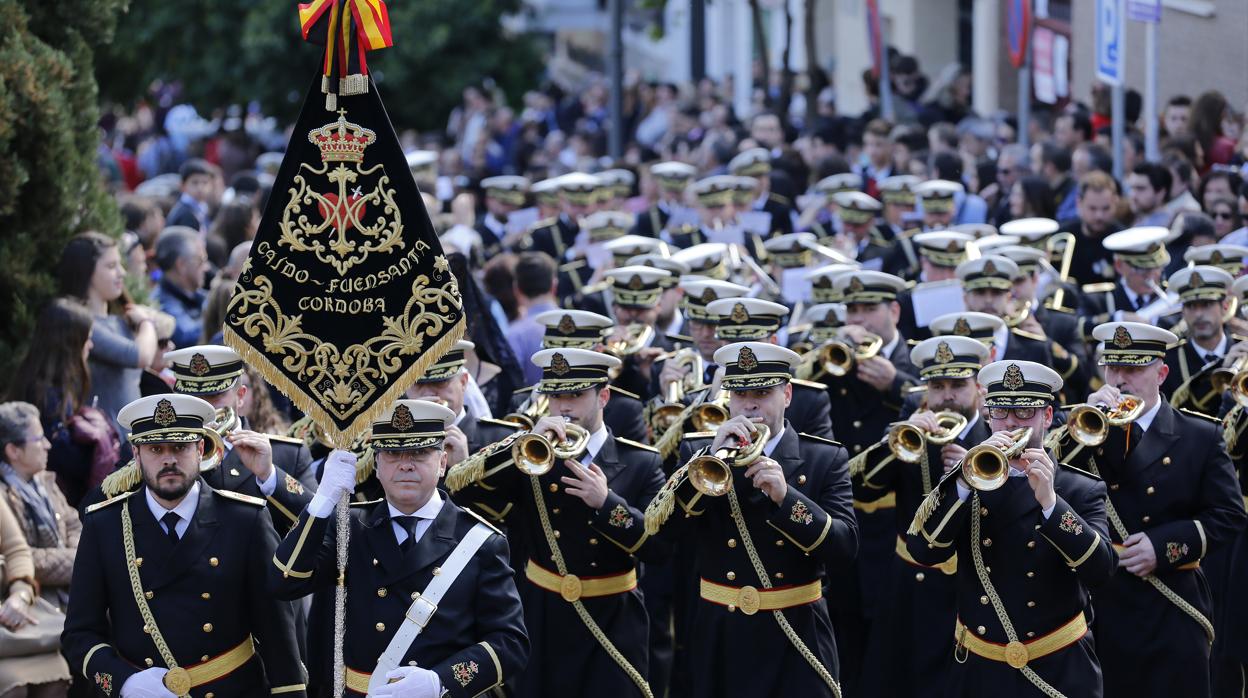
[
  {"x": 237, "y": 51},
  {"x": 50, "y": 186}
]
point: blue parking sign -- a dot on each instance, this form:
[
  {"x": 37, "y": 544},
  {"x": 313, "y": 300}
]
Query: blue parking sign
[{"x": 1110, "y": 40}]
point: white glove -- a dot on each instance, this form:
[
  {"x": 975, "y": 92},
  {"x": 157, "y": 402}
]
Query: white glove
[
  {"x": 337, "y": 479},
  {"x": 413, "y": 682},
  {"x": 149, "y": 683}
]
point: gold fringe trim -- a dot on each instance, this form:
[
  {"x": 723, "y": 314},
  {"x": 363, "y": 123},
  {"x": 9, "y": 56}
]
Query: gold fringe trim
[
  {"x": 365, "y": 466},
  {"x": 363, "y": 421},
  {"x": 858, "y": 464},
  {"x": 670, "y": 440},
  {"x": 466, "y": 472},
  {"x": 660, "y": 509},
  {"x": 122, "y": 480},
  {"x": 926, "y": 508}
]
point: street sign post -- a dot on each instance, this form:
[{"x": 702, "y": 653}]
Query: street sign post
[{"x": 1110, "y": 37}]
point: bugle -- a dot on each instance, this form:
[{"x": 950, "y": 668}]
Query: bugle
[
  {"x": 708, "y": 415},
  {"x": 711, "y": 474},
  {"x": 1089, "y": 424},
  {"x": 908, "y": 442},
  {"x": 986, "y": 467},
  {"x": 535, "y": 454},
  {"x": 224, "y": 421},
  {"x": 533, "y": 409},
  {"x": 636, "y": 337},
  {"x": 665, "y": 415},
  {"x": 1063, "y": 273},
  {"x": 837, "y": 358}
]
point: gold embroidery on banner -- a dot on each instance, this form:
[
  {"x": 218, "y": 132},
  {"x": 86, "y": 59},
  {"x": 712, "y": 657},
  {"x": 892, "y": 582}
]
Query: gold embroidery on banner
[
  {"x": 165, "y": 414},
  {"x": 344, "y": 211},
  {"x": 343, "y": 379}
]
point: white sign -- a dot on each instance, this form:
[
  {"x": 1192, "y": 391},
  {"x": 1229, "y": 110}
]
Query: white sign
[
  {"x": 1144, "y": 11},
  {"x": 1110, "y": 40}
]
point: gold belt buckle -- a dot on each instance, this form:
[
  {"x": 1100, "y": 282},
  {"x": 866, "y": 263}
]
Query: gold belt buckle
[
  {"x": 1016, "y": 654},
  {"x": 570, "y": 588},
  {"x": 748, "y": 600},
  {"x": 178, "y": 681}
]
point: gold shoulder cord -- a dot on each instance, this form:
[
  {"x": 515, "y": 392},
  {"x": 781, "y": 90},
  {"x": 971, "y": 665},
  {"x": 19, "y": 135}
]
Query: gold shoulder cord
[
  {"x": 1015, "y": 651},
  {"x": 177, "y": 678},
  {"x": 763, "y": 577},
  {"x": 572, "y": 584},
  {"x": 1159, "y": 585}
]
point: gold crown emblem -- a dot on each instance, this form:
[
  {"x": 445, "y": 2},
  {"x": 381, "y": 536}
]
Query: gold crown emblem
[
  {"x": 739, "y": 314},
  {"x": 635, "y": 283},
  {"x": 559, "y": 365},
  {"x": 566, "y": 326},
  {"x": 341, "y": 140},
  {"x": 831, "y": 318},
  {"x": 990, "y": 269},
  {"x": 1013, "y": 378},
  {"x": 953, "y": 246},
  {"x": 1122, "y": 338},
  {"x": 402, "y": 420},
  {"x": 822, "y": 282},
  {"x": 164, "y": 414},
  {"x": 708, "y": 295},
  {"x": 962, "y": 328},
  {"x": 746, "y": 361},
  {"x": 1216, "y": 257},
  {"x": 1196, "y": 281},
  {"x": 944, "y": 354},
  {"x": 855, "y": 285},
  {"x": 199, "y": 365}
]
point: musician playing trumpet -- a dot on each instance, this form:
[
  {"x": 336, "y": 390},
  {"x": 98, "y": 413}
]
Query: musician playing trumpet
[
  {"x": 767, "y": 524},
  {"x": 1020, "y": 525},
  {"x": 580, "y": 521},
  {"x": 914, "y": 658}
]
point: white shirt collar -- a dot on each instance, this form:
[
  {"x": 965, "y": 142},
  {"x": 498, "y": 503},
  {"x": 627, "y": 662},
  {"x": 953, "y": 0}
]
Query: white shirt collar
[
  {"x": 1146, "y": 420},
  {"x": 970, "y": 424},
  {"x": 773, "y": 442},
  {"x": 1219, "y": 350},
  {"x": 185, "y": 509},
  {"x": 1131, "y": 295},
  {"x": 596, "y": 440},
  {"x": 463, "y": 414},
  {"x": 428, "y": 511},
  {"x": 887, "y": 350},
  {"x": 496, "y": 226},
  {"x": 1001, "y": 339},
  {"x": 676, "y": 324}
]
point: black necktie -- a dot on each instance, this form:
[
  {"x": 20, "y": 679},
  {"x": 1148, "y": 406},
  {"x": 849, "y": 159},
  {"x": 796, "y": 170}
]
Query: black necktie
[
  {"x": 1142, "y": 301},
  {"x": 1211, "y": 358},
  {"x": 409, "y": 524},
  {"x": 170, "y": 520}
]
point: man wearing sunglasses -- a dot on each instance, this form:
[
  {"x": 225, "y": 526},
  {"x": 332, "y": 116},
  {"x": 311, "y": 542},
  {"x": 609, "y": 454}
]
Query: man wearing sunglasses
[{"x": 1031, "y": 542}]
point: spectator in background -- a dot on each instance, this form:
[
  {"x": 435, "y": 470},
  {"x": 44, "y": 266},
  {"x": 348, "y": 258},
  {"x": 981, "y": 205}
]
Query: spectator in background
[
  {"x": 37, "y": 675},
  {"x": 1181, "y": 198},
  {"x": 123, "y": 338},
  {"x": 53, "y": 377},
  {"x": 969, "y": 207},
  {"x": 499, "y": 280},
  {"x": 257, "y": 405},
  {"x": 192, "y": 209},
  {"x": 214, "y": 311},
  {"x": 50, "y": 525},
  {"x": 1098, "y": 206},
  {"x": 536, "y": 285},
  {"x": 1208, "y": 112},
  {"x": 183, "y": 263},
  {"x": 1071, "y": 129},
  {"x": 1225, "y": 217},
  {"x": 1148, "y": 186},
  {"x": 1219, "y": 184},
  {"x": 877, "y": 150},
  {"x": 1176, "y": 116},
  {"x": 1054, "y": 163},
  {"x": 156, "y": 378},
  {"x": 234, "y": 224},
  {"x": 1011, "y": 167},
  {"x": 1030, "y": 197}
]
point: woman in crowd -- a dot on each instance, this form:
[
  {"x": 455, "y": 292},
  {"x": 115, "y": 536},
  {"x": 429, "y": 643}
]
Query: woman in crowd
[
  {"x": 54, "y": 378},
  {"x": 27, "y": 668},
  {"x": 124, "y": 335},
  {"x": 1225, "y": 217},
  {"x": 1031, "y": 197},
  {"x": 49, "y": 524}
]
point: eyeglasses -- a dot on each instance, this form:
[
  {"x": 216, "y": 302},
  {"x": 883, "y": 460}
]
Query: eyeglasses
[
  {"x": 1222, "y": 215},
  {"x": 1000, "y": 413}
]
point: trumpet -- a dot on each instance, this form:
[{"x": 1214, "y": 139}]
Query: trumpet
[
  {"x": 986, "y": 467},
  {"x": 908, "y": 442},
  {"x": 837, "y": 358},
  {"x": 712, "y": 474},
  {"x": 666, "y": 414},
  {"x": 1018, "y": 313},
  {"x": 535, "y": 454},
  {"x": 533, "y": 409},
  {"x": 1089, "y": 424},
  {"x": 1234, "y": 378},
  {"x": 1066, "y": 241},
  {"x": 224, "y": 421},
  {"x": 636, "y": 337},
  {"x": 707, "y": 416}
]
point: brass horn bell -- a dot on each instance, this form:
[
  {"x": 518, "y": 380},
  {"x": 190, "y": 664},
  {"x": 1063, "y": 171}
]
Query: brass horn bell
[
  {"x": 907, "y": 442},
  {"x": 1089, "y": 424},
  {"x": 712, "y": 474},
  {"x": 986, "y": 467},
  {"x": 535, "y": 454}
]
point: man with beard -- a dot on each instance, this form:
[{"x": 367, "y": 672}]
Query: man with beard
[
  {"x": 169, "y": 590},
  {"x": 1203, "y": 291},
  {"x": 1097, "y": 204},
  {"x": 911, "y": 650}
]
